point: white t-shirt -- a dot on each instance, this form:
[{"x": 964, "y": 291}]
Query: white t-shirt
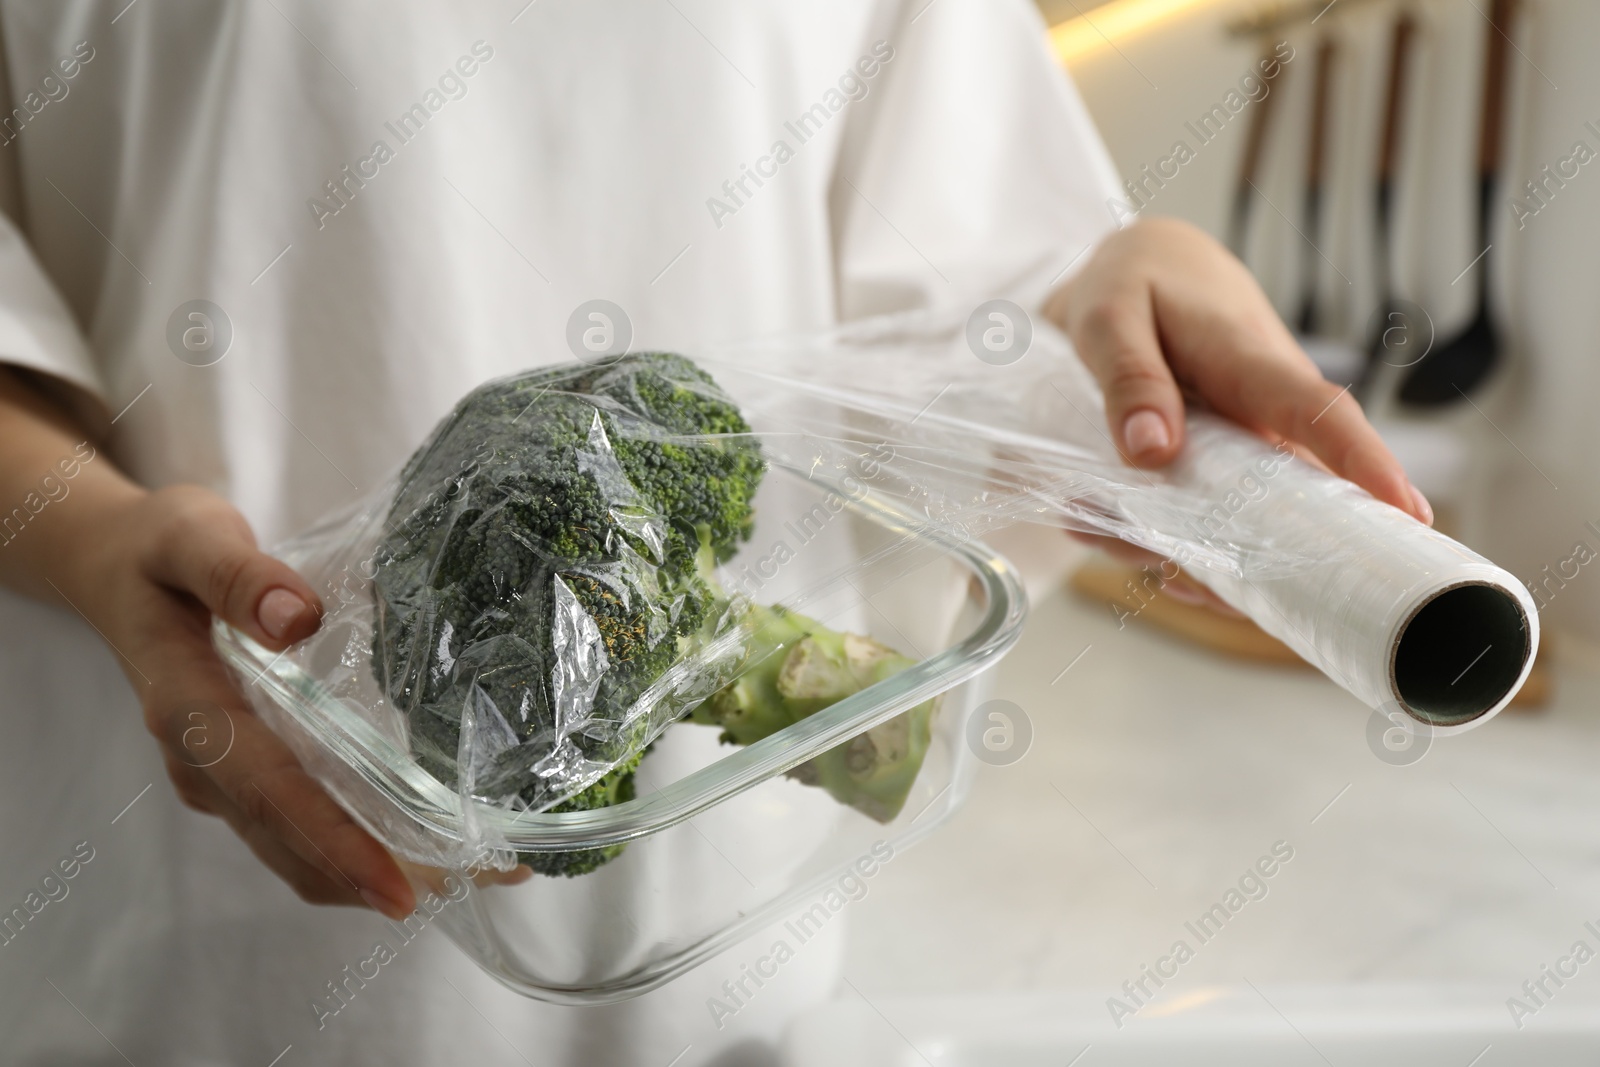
[{"x": 390, "y": 203}]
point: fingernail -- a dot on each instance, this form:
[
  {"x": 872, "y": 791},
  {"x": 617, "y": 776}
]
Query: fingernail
[
  {"x": 1184, "y": 593},
  {"x": 383, "y": 905},
  {"x": 1424, "y": 509},
  {"x": 1145, "y": 432},
  {"x": 277, "y": 612}
]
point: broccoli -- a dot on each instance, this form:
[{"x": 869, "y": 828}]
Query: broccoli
[
  {"x": 615, "y": 788},
  {"x": 796, "y": 667},
  {"x": 549, "y": 553}
]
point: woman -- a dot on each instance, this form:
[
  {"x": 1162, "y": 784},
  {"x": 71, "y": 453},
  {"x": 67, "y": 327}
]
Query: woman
[{"x": 256, "y": 249}]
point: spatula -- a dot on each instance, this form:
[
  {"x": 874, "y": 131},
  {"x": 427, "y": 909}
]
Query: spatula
[{"x": 1456, "y": 368}]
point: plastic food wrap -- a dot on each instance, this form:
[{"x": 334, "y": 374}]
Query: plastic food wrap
[
  {"x": 1407, "y": 620},
  {"x": 555, "y": 578}
]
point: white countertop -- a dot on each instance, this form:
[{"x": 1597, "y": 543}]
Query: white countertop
[{"x": 1475, "y": 865}]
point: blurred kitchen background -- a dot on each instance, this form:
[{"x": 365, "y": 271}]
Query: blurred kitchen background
[
  {"x": 1371, "y": 161},
  {"x": 1358, "y": 186}
]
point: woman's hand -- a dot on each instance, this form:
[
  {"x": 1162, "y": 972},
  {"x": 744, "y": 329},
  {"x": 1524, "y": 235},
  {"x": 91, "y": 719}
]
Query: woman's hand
[
  {"x": 148, "y": 570},
  {"x": 182, "y": 555},
  {"x": 1161, "y": 308}
]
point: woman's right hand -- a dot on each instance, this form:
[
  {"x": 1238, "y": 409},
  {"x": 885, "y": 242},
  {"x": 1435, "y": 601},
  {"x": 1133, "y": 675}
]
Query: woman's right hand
[{"x": 150, "y": 569}]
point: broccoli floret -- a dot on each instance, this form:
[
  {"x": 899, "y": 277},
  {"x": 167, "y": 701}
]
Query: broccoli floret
[
  {"x": 553, "y": 576},
  {"x": 549, "y": 554},
  {"x": 615, "y": 788}
]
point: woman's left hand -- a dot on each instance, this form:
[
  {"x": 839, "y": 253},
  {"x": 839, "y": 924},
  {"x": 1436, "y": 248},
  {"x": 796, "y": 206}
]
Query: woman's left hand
[{"x": 1161, "y": 308}]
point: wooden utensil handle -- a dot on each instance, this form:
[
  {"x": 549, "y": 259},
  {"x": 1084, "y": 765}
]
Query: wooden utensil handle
[
  {"x": 1496, "y": 49},
  {"x": 1319, "y": 113},
  {"x": 1405, "y": 29},
  {"x": 1259, "y": 122}
]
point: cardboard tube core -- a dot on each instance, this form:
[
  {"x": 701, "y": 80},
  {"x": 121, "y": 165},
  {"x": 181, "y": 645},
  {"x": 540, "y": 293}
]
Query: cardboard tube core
[{"x": 1460, "y": 654}]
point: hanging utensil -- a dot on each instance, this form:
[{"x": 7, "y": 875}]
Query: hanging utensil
[
  {"x": 1311, "y": 210},
  {"x": 1244, "y": 190},
  {"x": 1458, "y": 367},
  {"x": 1338, "y": 360},
  {"x": 1393, "y": 329}
]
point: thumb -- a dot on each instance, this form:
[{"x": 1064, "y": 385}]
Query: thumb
[
  {"x": 1118, "y": 342},
  {"x": 204, "y": 547}
]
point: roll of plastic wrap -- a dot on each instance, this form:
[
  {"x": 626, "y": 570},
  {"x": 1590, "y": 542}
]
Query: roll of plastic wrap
[
  {"x": 1403, "y": 617},
  {"x": 1395, "y": 612},
  {"x": 1398, "y": 614},
  {"x": 1407, "y": 620}
]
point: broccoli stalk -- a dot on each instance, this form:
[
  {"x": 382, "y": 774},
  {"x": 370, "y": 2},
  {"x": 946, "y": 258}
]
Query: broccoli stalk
[{"x": 797, "y": 667}]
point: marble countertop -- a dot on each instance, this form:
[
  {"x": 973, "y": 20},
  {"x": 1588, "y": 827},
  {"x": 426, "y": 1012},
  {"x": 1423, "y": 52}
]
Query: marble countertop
[{"x": 1159, "y": 774}]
